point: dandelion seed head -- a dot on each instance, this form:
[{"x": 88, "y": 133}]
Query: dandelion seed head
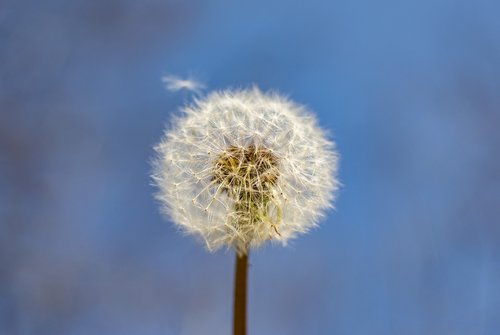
[{"x": 242, "y": 167}]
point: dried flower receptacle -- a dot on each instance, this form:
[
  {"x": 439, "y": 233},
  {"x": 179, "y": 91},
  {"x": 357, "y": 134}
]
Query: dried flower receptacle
[{"x": 248, "y": 175}]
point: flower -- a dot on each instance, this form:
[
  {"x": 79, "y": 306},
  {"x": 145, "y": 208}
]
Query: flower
[{"x": 241, "y": 167}]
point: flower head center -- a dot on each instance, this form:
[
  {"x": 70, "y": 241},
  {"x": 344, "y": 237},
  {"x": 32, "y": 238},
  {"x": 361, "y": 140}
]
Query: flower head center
[{"x": 247, "y": 173}]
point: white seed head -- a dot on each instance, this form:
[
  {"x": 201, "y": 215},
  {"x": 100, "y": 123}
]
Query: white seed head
[{"x": 239, "y": 168}]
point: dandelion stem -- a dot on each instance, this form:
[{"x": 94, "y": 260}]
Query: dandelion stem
[{"x": 240, "y": 295}]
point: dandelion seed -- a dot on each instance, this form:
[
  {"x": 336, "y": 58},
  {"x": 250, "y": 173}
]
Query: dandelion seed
[
  {"x": 174, "y": 84},
  {"x": 239, "y": 168}
]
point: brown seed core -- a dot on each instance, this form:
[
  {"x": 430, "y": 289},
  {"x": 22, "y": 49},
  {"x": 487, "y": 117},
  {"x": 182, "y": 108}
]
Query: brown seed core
[{"x": 247, "y": 175}]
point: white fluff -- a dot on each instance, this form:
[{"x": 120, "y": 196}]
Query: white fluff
[
  {"x": 174, "y": 84},
  {"x": 184, "y": 168}
]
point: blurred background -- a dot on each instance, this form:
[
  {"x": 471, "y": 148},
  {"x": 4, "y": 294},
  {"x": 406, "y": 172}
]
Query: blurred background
[{"x": 410, "y": 90}]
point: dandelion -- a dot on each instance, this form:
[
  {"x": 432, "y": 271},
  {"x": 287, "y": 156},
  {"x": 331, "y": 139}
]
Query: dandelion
[{"x": 239, "y": 168}]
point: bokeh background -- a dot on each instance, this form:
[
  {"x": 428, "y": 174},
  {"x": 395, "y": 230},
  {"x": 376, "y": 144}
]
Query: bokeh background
[{"x": 410, "y": 90}]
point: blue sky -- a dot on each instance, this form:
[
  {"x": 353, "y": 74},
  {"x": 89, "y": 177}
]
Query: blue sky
[{"x": 409, "y": 91}]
